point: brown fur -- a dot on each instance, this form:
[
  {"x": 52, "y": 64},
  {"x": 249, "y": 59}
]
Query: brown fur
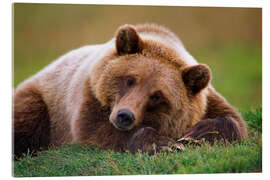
[
  {"x": 30, "y": 113},
  {"x": 78, "y": 97}
]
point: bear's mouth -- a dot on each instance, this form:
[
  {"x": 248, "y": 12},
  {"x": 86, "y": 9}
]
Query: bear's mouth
[{"x": 119, "y": 127}]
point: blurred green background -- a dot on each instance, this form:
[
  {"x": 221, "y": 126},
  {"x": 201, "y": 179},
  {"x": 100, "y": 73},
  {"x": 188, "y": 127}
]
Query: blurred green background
[{"x": 229, "y": 40}]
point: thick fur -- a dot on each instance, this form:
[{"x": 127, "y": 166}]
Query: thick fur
[
  {"x": 144, "y": 69},
  {"x": 31, "y": 112}
]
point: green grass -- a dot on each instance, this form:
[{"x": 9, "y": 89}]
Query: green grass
[
  {"x": 236, "y": 73},
  {"x": 76, "y": 160}
]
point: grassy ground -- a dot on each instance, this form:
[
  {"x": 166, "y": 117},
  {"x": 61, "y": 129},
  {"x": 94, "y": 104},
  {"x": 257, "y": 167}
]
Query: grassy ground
[{"x": 76, "y": 160}]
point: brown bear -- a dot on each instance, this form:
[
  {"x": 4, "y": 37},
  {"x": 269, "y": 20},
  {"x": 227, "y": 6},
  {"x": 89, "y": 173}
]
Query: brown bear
[{"x": 140, "y": 88}]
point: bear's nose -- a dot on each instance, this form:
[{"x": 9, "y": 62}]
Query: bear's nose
[{"x": 125, "y": 118}]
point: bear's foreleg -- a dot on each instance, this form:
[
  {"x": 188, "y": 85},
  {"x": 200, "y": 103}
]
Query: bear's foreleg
[
  {"x": 220, "y": 121},
  {"x": 146, "y": 139},
  {"x": 31, "y": 124},
  {"x": 214, "y": 129}
]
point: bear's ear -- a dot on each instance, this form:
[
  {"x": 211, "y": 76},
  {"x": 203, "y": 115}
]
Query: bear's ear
[
  {"x": 196, "y": 77},
  {"x": 128, "y": 41}
]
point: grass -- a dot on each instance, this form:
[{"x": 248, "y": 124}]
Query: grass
[
  {"x": 236, "y": 73},
  {"x": 76, "y": 160}
]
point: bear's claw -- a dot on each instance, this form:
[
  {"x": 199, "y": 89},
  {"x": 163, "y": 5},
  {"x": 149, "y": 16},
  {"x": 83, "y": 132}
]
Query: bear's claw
[{"x": 189, "y": 140}]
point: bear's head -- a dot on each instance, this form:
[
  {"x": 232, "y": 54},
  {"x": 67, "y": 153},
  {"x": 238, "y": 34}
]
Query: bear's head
[{"x": 146, "y": 83}]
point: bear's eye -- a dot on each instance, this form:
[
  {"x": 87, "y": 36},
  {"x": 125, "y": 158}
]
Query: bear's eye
[
  {"x": 130, "y": 81},
  {"x": 156, "y": 97},
  {"x": 157, "y": 102}
]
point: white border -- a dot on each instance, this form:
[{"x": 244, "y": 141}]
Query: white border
[
  {"x": 215, "y": 3},
  {"x": 6, "y": 82},
  {"x": 5, "y": 95}
]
